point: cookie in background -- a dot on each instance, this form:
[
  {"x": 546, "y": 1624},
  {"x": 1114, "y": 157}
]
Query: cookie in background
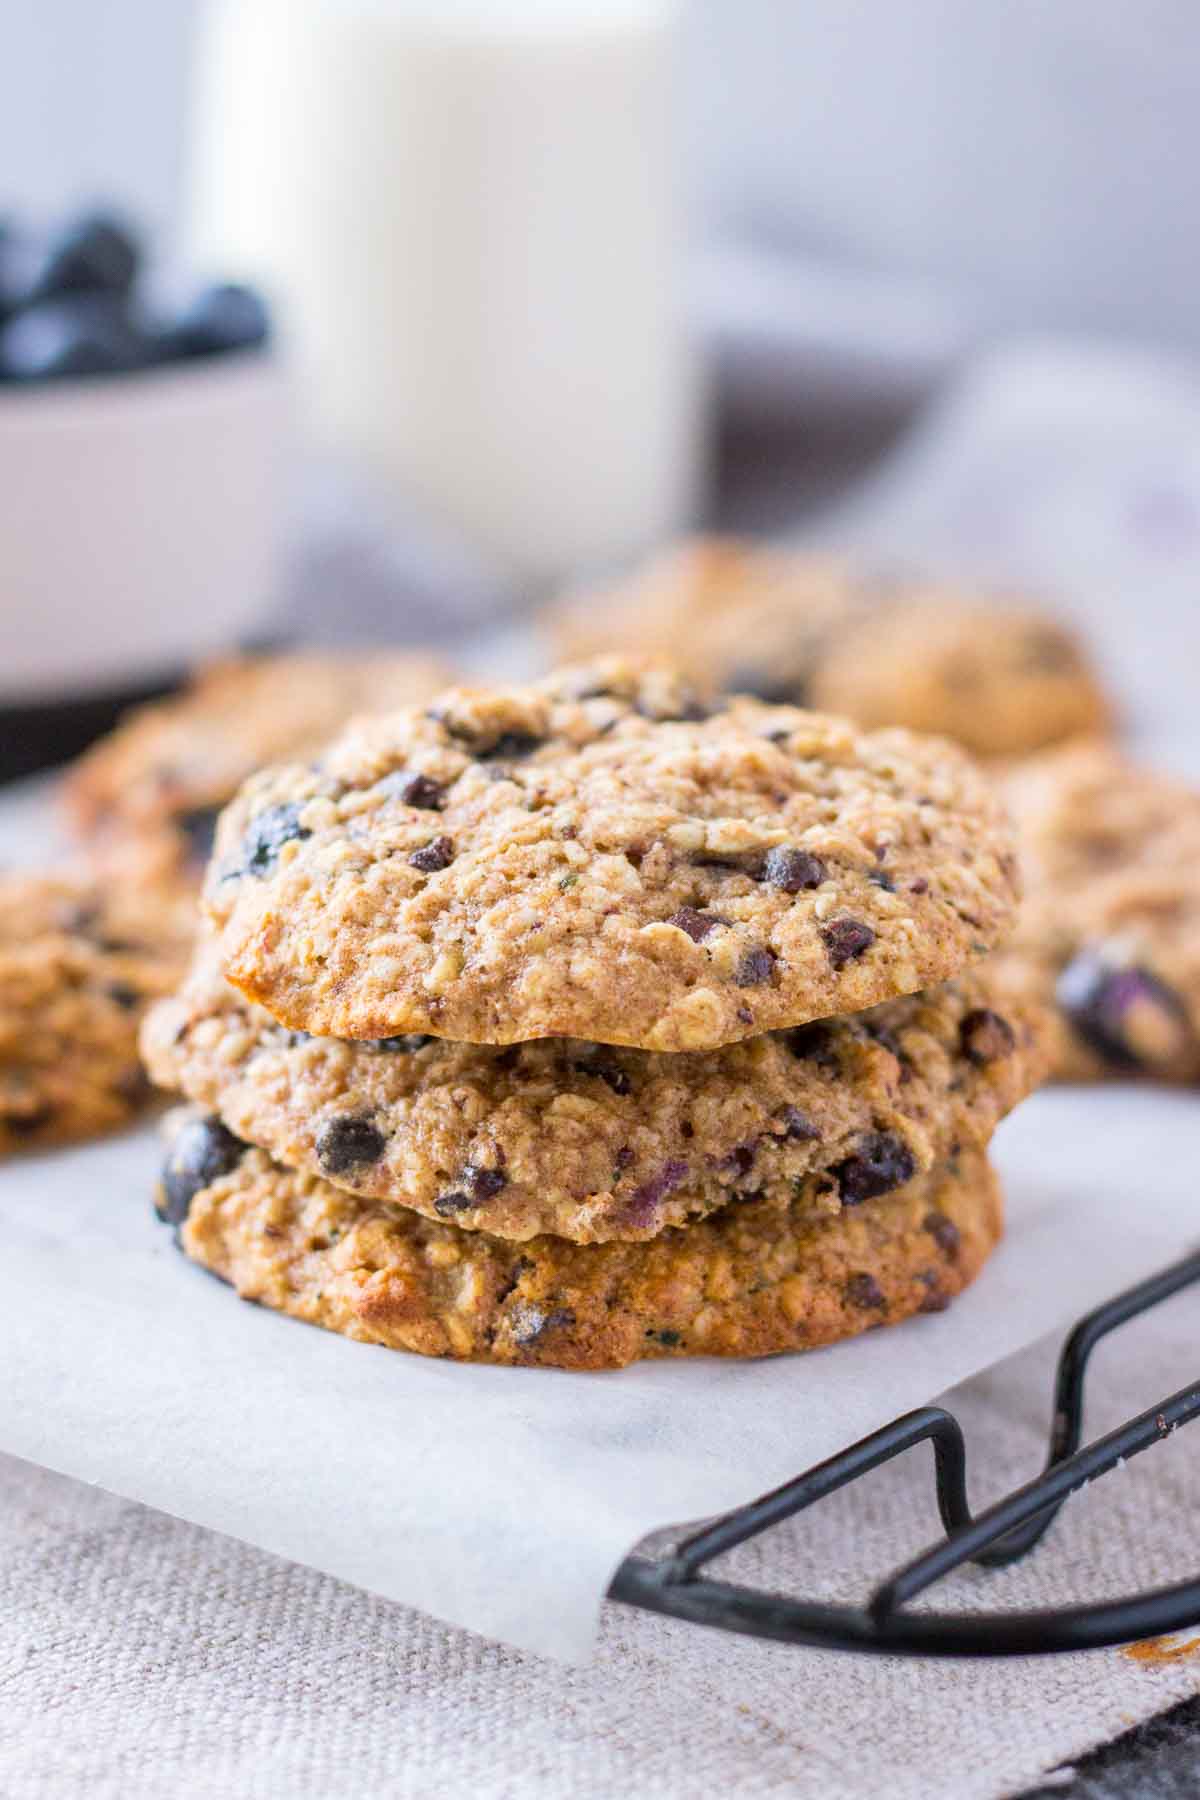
[
  {"x": 149, "y": 793},
  {"x": 79, "y": 964},
  {"x": 1002, "y": 677},
  {"x": 1108, "y": 936}
]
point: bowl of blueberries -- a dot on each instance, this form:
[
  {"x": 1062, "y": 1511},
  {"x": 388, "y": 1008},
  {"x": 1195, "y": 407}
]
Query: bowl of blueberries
[{"x": 143, "y": 446}]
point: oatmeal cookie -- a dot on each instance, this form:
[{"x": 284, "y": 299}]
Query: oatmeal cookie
[
  {"x": 743, "y": 1282},
  {"x": 597, "y": 856},
  {"x": 78, "y": 967},
  {"x": 1109, "y": 936},
  {"x": 590, "y": 1142},
  {"x": 1002, "y": 678}
]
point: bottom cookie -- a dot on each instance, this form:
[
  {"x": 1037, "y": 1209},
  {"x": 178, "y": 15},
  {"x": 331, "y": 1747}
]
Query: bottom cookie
[{"x": 751, "y": 1280}]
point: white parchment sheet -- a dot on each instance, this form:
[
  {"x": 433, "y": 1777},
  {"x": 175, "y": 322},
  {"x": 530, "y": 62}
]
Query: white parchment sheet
[{"x": 502, "y": 1499}]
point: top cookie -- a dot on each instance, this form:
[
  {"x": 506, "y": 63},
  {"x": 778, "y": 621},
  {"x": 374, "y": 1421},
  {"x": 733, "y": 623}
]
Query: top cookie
[
  {"x": 1109, "y": 936},
  {"x": 597, "y": 856},
  {"x": 163, "y": 775},
  {"x": 1002, "y": 679}
]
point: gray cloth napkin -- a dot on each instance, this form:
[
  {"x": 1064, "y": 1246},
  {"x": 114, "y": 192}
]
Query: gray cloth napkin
[{"x": 141, "y": 1657}]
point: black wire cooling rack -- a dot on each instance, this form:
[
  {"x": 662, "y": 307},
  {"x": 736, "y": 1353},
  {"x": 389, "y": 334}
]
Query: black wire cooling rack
[{"x": 676, "y": 1584}]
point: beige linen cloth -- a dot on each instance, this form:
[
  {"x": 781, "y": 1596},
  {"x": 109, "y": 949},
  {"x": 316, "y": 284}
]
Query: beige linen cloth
[{"x": 142, "y": 1658}]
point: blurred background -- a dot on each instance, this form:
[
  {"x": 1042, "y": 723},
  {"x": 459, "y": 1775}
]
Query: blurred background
[{"x": 550, "y": 283}]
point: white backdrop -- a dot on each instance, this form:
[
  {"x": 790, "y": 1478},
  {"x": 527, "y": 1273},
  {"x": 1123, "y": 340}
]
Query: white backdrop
[{"x": 1039, "y": 164}]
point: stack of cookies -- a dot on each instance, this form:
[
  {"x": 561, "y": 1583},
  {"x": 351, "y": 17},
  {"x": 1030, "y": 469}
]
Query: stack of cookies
[{"x": 579, "y": 1022}]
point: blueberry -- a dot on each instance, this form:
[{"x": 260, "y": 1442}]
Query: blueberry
[
  {"x": 792, "y": 1123},
  {"x": 81, "y": 334},
  {"x": 529, "y": 1321},
  {"x": 203, "y": 1152},
  {"x": 643, "y": 1202},
  {"x": 96, "y": 254},
  {"x": 1122, "y": 1011},
  {"x": 218, "y": 319},
  {"x": 881, "y": 1162},
  {"x": 268, "y": 833},
  {"x": 348, "y": 1141},
  {"x": 15, "y": 269}
]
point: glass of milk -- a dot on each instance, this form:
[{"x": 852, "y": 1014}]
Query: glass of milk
[{"x": 469, "y": 218}]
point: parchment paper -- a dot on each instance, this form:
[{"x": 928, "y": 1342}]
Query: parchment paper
[{"x": 502, "y": 1499}]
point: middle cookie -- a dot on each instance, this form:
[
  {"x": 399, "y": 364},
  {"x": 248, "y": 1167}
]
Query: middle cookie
[{"x": 592, "y": 1143}]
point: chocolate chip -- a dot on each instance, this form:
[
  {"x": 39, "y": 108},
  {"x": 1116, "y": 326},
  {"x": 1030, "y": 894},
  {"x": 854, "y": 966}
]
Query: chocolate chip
[
  {"x": 697, "y": 924},
  {"x": 610, "y": 1072},
  {"x": 446, "y": 1205},
  {"x": 985, "y": 1036},
  {"x": 813, "y": 1043},
  {"x": 24, "y": 1125},
  {"x": 483, "y": 1184},
  {"x": 437, "y": 854},
  {"x": 476, "y": 1187},
  {"x": 944, "y": 1232},
  {"x": 348, "y": 1141},
  {"x": 754, "y": 967},
  {"x": 887, "y": 1039},
  {"x": 751, "y": 678},
  {"x": 690, "y": 711},
  {"x": 409, "y": 1042},
  {"x": 846, "y": 939},
  {"x": 935, "y": 1300},
  {"x": 865, "y": 1292},
  {"x": 1122, "y": 1011},
  {"x": 487, "y": 743},
  {"x": 528, "y": 1322},
  {"x": 792, "y": 1123},
  {"x": 125, "y": 996},
  {"x": 508, "y": 745},
  {"x": 792, "y": 870},
  {"x": 203, "y": 1151},
  {"x": 268, "y": 833},
  {"x": 740, "y": 1160},
  {"x": 199, "y": 827},
  {"x": 1048, "y": 651},
  {"x": 414, "y": 790},
  {"x": 881, "y": 1162}
]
